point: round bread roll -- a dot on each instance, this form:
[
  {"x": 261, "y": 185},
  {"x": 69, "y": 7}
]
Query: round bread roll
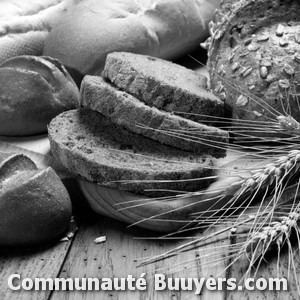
[
  {"x": 254, "y": 59},
  {"x": 33, "y": 90},
  {"x": 92, "y": 29},
  {"x": 35, "y": 206}
]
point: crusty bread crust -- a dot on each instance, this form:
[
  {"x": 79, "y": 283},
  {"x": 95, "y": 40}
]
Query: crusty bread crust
[
  {"x": 35, "y": 206},
  {"x": 162, "y": 28},
  {"x": 33, "y": 90},
  {"x": 90, "y": 145}
]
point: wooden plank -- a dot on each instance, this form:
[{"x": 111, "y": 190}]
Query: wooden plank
[
  {"x": 285, "y": 265},
  {"x": 119, "y": 256},
  {"x": 30, "y": 263},
  {"x": 268, "y": 270}
]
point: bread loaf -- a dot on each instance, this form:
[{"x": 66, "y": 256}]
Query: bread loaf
[
  {"x": 35, "y": 206},
  {"x": 25, "y": 25},
  {"x": 32, "y": 91},
  {"x": 92, "y": 29},
  {"x": 91, "y": 146},
  {"x": 254, "y": 59},
  {"x": 161, "y": 215}
]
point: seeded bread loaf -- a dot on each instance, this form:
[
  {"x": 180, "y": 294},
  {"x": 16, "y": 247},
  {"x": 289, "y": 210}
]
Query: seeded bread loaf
[
  {"x": 162, "y": 28},
  {"x": 254, "y": 58},
  {"x": 163, "y": 84},
  {"x": 127, "y": 111},
  {"x": 90, "y": 145}
]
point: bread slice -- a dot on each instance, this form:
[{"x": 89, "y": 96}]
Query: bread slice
[
  {"x": 126, "y": 110},
  {"x": 90, "y": 145},
  {"x": 163, "y": 84}
]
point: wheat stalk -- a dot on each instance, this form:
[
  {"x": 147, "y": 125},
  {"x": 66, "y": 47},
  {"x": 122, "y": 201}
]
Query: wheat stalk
[
  {"x": 273, "y": 234},
  {"x": 265, "y": 229}
]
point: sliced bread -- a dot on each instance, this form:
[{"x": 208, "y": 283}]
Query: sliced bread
[
  {"x": 126, "y": 110},
  {"x": 90, "y": 145},
  {"x": 163, "y": 84}
]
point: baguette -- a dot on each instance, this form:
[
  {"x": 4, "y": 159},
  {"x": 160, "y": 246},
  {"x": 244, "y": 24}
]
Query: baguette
[
  {"x": 92, "y": 29},
  {"x": 91, "y": 146},
  {"x": 34, "y": 204},
  {"x": 25, "y": 25}
]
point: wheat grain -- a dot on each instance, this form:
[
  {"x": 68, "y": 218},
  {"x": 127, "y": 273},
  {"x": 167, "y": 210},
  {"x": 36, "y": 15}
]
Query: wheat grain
[
  {"x": 289, "y": 124},
  {"x": 273, "y": 234},
  {"x": 261, "y": 178}
]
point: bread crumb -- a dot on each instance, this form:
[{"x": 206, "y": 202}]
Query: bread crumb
[
  {"x": 70, "y": 235},
  {"x": 64, "y": 239},
  {"x": 100, "y": 239}
]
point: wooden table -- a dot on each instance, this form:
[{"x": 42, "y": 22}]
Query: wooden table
[{"x": 119, "y": 256}]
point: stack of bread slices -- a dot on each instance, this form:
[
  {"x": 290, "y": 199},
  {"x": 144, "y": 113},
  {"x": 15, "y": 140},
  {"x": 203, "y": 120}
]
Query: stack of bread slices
[{"x": 139, "y": 129}]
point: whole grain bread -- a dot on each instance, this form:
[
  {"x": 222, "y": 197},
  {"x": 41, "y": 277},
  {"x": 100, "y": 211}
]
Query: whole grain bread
[
  {"x": 254, "y": 59},
  {"x": 90, "y": 145},
  {"x": 126, "y": 110},
  {"x": 163, "y": 84}
]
